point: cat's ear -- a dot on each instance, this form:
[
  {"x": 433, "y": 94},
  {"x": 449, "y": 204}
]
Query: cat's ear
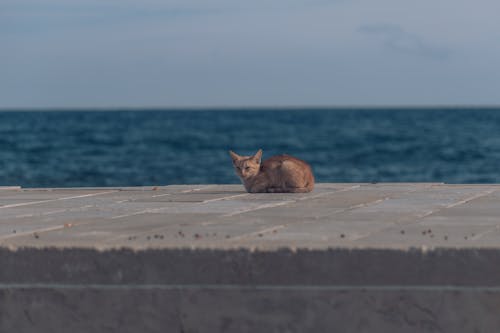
[
  {"x": 258, "y": 156},
  {"x": 234, "y": 156}
]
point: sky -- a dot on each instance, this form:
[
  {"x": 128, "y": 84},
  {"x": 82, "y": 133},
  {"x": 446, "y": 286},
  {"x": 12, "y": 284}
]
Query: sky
[{"x": 226, "y": 53}]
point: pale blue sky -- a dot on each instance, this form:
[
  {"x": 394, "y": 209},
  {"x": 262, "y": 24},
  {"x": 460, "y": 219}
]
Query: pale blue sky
[{"x": 202, "y": 53}]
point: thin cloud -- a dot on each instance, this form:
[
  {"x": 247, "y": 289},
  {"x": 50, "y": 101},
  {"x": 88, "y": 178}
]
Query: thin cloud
[{"x": 395, "y": 38}]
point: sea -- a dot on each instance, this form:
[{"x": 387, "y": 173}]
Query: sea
[{"x": 74, "y": 148}]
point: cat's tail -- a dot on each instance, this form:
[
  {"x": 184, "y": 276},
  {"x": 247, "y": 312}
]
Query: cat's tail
[
  {"x": 310, "y": 180},
  {"x": 309, "y": 185}
]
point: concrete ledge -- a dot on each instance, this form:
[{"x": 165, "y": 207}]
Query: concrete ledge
[
  {"x": 84, "y": 290},
  {"x": 329, "y": 267},
  {"x": 347, "y": 258},
  {"x": 237, "y": 310}
]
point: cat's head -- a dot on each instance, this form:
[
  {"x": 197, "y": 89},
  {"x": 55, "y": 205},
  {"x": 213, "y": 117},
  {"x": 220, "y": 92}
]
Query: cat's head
[{"x": 246, "y": 166}]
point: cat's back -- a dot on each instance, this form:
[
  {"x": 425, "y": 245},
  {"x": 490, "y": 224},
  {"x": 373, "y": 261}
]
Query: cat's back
[
  {"x": 289, "y": 173},
  {"x": 278, "y": 161},
  {"x": 286, "y": 164}
]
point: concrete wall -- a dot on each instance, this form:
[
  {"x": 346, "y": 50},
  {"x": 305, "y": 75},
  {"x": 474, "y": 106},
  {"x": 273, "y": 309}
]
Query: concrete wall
[{"x": 173, "y": 290}]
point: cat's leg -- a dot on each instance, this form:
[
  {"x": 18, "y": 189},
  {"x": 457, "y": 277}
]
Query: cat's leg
[
  {"x": 288, "y": 189},
  {"x": 299, "y": 189},
  {"x": 275, "y": 190},
  {"x": 257, "y": 188}
]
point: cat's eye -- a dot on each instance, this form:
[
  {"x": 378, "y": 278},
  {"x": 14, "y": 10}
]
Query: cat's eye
[{"x": 247, "y": 168}]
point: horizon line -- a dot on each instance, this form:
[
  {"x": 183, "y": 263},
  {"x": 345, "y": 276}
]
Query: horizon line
[{"x": 243, "y": 107}]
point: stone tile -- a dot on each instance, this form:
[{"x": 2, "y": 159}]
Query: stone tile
[{"x": 333, "y": 215}]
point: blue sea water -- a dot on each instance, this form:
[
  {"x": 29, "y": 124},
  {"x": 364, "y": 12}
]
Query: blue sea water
[{"x": 141, "y": 147}]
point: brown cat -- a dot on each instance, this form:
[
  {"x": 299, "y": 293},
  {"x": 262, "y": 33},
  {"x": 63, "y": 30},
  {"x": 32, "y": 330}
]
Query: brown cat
[{"x": 281, "y": 173}]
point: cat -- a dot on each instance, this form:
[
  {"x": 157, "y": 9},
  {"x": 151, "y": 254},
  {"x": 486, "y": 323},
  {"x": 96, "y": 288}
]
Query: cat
[{"x": 277, "y": 174}]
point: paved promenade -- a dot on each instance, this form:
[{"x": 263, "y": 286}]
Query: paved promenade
[
  {"x": 212, "y": 258},
  {"x": 396, "y": 216}
]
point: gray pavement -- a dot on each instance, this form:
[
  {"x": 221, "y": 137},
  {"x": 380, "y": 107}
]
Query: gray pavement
[{"x": 398, "y": 216}]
